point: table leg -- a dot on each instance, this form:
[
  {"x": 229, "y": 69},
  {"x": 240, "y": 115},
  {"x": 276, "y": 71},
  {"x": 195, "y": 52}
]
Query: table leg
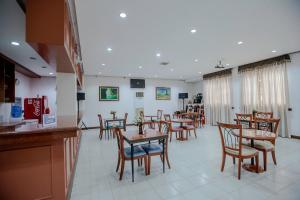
[
  {"x": 252, "y": 145},
  {"x": 132, "y": 163},
  {"x": 163, "y": 156}
]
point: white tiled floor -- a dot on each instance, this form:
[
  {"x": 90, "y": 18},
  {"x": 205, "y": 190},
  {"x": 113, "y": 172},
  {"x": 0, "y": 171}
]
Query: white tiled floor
[{"x": 195, "y": 172}]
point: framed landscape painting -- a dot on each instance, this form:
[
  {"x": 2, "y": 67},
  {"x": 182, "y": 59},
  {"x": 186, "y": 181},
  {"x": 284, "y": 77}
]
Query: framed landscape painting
[
  {"x": 163, "y": 93},
  {"x": 108, "y": 93}
]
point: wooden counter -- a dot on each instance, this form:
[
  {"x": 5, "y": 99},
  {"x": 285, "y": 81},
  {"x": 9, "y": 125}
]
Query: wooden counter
[{"x": 38, "y": 162}]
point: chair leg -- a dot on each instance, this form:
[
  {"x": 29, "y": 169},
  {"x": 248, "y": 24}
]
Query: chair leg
[
  {"x": 265, "y": 160},
  {"x": 274, "y": 157},
  {"x": 170, "y": 136},
  {"x": 118, "y": 165},
  {"x": 167, "y": 158},
  {"x": 149, "y": 164},
  {"x": 195, "y": 133},
  {"x": 223, "y": 162},
  {"x": 146, "y": 165},
  {"x": 233, "y": 160},
  {"x": 122, "y": 169},
  {"x": 257, "y": 162},
  {"x": 100, "y": 134},
  {"x": 239, "y": 170}
]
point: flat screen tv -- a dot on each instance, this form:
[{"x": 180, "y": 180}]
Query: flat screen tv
[
  {"x": 137, "y": 83},
  {"x": 183, "y": 95}
]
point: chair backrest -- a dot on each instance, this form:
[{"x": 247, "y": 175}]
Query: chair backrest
[
  {"x": 244, "y": 119},
  {"x": 125, "y": 117},
  {"x": 231, "y": 137},
  {"x": 159, "y": 114},
  {"x": 100, "y": 121},
  {"x": 167, "y": 117},
  {"x": 263, "y": 115},
  {"x": 267, "y": 124},
  {"x": 120, "y": 140},
  {"x": 164, "y": 127}
]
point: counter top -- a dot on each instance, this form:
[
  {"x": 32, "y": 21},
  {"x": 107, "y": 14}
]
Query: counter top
[{"x": 65, "y": 127}]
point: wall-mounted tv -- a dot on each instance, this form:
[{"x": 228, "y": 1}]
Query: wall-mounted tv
[
  {"x": 183, "y": 95},
  {"x": 137, "y": 83}
]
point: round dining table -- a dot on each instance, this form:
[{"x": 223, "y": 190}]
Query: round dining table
[
  {"x": 254, "y": 134},
  {"x": 182, "y": 122}
]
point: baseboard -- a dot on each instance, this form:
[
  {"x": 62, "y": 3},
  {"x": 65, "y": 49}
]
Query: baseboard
[{"x": 295, "y": 137}]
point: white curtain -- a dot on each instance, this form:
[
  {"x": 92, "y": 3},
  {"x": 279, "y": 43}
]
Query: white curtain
[
  {"x": 265, "y": 88},
  {"x": 217, "y": 99}
]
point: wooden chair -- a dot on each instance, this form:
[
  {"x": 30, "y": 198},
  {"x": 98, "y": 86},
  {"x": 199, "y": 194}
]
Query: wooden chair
[
  {"x": 156, "y": 149},
  {"x": 124, "y": 154},
  {"x": 102, "y": 128},
  {"x": 245, "y": 120},
  {"x": 266, "y": 146},
  {"x": 146, "y": 122},
  {"x": 191, "y": 126},
  {"x": 173, "y": 129},
  {"x": 231, "y": 139},
  {"x": 263, "y": 115}
]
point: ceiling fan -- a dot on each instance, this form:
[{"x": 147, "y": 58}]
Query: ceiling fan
[{"x": 220, "y": 65}]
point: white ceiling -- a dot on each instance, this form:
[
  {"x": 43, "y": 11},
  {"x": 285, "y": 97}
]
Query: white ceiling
[
  {"x": 12, "y": 28},
  {"x": 164, "y": 26}
]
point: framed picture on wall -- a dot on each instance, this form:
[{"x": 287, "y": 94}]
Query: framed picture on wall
[
  {"x": 108, "y": 93},
  {"x": 163, "y": 93}
]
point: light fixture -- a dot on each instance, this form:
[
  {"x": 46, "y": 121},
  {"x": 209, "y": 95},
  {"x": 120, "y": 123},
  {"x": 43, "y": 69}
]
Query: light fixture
[
  {"x": 109, "y": 49},
  {"x": 240, "y": 42},
  {"x": 227, "y": 64},
  {"x": 15, "y": 43},
  {"x": 51, "y": 73},
  {"x": 193, "y": 31},
  {"x": 123, "y": 15},
  {"x": 274, "y": 51},
  {"x": 99, "y": 72},
  {"x": 171, "y": 69},
  {"x": 199, "y": 72},
  {"x": 140, "y": 67},
  {"x": 196, "y": 60},
  {"x": 129, "y": 74},
  {"x": 32, "y": 58},
  {"x": 158, "y": 55},
  {"x": 103, "y": 64},
  {"x": 44, "y": 67}
]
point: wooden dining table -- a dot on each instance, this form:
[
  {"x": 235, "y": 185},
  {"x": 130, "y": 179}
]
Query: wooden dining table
[
  {"x": 254, "y": 134},
  {"x": 133, "y": 137},
  {"x": 182, "y": 122}
]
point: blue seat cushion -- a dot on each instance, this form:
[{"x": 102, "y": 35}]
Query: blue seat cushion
[
  {"x": 152, "y": 148},
  {"x": 137, "y": 151}
]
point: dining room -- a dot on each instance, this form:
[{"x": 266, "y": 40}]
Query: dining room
[{"x": 165, "y": 100}]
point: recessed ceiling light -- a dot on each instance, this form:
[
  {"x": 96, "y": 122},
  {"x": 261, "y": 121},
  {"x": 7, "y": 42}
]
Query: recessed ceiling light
[
  {"x": 196, "y": 60},
  {"x": 99, "y": 72},
  {"x": 44, "y": 67},
  {"x": 123, "y": 15},
  {"x": 32, "y": 58},
  {"x": 199, "y": 72},
  {"x": 193, "y": 31},
  {"x": 129, "y": 74},
  {"x": 140, "y": 67},
  {"x": 171, "y": 69},
  {"x": 240, "y": 42},
  {"x": 15, "y": 43},
  {"x": 103, "y": 64},
  {"x": 158, "y": 55},
  {"x": 274, "y": 51},
  {"x": 227, "y": 64},
  {"x": 51, "y": 73},
  {"x": 109, "y": 49}
]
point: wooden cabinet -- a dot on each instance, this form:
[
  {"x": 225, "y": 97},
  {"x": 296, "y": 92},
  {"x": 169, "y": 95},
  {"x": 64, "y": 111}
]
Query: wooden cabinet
[{"x": 7, "y": 81}]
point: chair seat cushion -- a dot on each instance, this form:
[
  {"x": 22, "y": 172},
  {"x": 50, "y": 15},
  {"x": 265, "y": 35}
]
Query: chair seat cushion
[
  {"x": 246, "y": 151},
  {"x": 152, "y": 148},
  {"x": 265, "y": 145},
  {"x": 137, "y": 151},
  {"x": 177, "y": 128},
  {"x": 189, "y": 127}
]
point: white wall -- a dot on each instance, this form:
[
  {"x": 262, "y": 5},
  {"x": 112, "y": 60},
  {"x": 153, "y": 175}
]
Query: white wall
[{"x": 128, "y": 102}]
